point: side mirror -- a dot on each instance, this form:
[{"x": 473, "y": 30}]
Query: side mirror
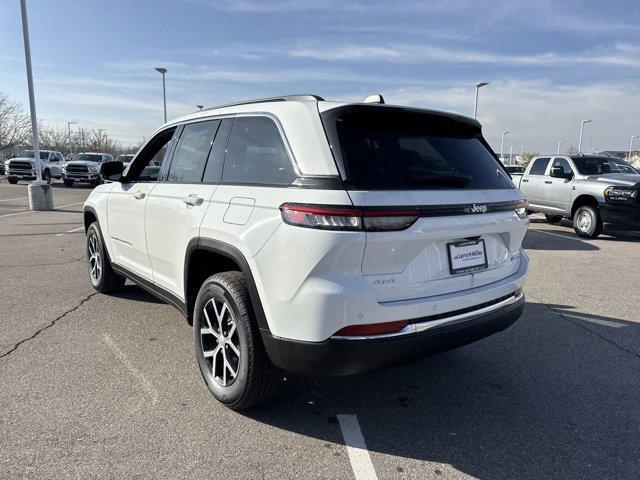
[
  {"x": 112, "y": 171},
  {"x": 558, "y": 172}
]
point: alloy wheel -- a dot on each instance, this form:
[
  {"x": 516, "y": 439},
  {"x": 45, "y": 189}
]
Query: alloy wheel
[
  {"x": 95, "y": 259},
  {"x": 220, "y": 342}
]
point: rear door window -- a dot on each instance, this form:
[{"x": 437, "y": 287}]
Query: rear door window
[
  {"x": 539, "y": 166},
  {"x": 256, "y": 154},
  {"x": 192, "y": 150},
  {"x": 393, "y": 148}
]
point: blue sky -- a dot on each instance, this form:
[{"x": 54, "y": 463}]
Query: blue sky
[{"x": 550, "y": 64}]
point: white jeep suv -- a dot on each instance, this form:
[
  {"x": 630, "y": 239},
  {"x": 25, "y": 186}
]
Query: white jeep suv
[{"x": 315, "y": 237}]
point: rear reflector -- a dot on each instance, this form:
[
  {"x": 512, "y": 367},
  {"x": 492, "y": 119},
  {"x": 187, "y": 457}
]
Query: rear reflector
[
  {"x": 374, "y": 329},
  {"x": 332, "y": 217}
]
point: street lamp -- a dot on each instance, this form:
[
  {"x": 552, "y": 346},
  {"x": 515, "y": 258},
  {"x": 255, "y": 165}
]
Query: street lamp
[
  {"x": 69, "y": 135},
  {"x": 511, "y": 155},
  {"x": 40, "y": 194},
  {"x": 162, "y": 72},
  {"x": 502, "y": 145},
  {"x": 478, "y": 87},
  {"x": 560, "y": 143},
  {"x": 581, "y": 131},
  {"x": 631, "y": 146}
]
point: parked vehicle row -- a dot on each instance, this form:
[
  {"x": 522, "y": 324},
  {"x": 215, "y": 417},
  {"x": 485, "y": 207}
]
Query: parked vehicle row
[
  {"x": 23, "y": 167},
  {"x": 590, "y": 190},
  {"x": 317, "y": 237}
]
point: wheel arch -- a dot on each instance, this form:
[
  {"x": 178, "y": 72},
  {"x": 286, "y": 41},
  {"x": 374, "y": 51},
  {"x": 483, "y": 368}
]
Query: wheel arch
[
  {"x": 90, "y": 216},
  {"x": 581, "y": 200},
  {"x": 205, "y": 257}
]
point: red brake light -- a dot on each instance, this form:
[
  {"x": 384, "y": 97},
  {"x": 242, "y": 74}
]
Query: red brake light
[
  {"x": 332, "y": 217},
  {"x": 373, "y": 329}
]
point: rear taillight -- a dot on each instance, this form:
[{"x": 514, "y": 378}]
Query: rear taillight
[
  {"x": 373, "y": 329},
  {"x": 331, "y": 217}
]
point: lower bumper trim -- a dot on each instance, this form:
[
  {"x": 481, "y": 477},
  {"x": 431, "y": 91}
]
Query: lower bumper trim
[
  {"x": 340, "y": 356},
  {"x": 626, "y": 215}
]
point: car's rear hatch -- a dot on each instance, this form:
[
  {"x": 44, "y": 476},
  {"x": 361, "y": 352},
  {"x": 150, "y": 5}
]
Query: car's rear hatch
[{"x": 438, "y": 169}]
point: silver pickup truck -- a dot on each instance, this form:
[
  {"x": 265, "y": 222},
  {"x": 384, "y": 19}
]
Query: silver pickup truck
[{"x": 591, "y": 190}]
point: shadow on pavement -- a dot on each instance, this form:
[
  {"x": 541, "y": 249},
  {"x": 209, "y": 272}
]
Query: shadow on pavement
[
  {"x": 560, "y": 240},
  {"x": 135, "y": 293},
  {"x": 543, "y": 399}
]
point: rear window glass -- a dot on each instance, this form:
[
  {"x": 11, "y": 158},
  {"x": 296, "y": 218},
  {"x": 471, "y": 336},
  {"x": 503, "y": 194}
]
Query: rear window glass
[
  {"x": 602, "y": 165},
  {"x": 387, "y": 148}
]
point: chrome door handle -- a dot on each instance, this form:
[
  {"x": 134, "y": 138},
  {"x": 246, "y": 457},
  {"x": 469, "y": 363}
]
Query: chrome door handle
[
  {"x": 548, "y": 181},
  {"x": 139, "y": 195},
  {"x": 192, "y": 200},
  {"x": 524, "y": 180}
]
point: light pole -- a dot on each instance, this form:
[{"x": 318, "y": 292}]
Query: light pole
[
  {"x": 560, "y": 143},
  {"x": 200, "y": 107},
  {"x": 511, "y": 155},
  {"x": 162, "y": 72},
  {"x": 633, "y": 137},
  {"x": 581, "y": 131},
  {"x": 502, "y": 144},
  {"x": 479, "y": 85},
  {"x": 40, "y": 194},
  {"x": 69, "y": 135}
]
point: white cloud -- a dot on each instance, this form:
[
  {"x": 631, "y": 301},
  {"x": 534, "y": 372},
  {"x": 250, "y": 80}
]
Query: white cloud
[
  {"x": 538, "y": 113},
  {"x": 620, "y": 55}
]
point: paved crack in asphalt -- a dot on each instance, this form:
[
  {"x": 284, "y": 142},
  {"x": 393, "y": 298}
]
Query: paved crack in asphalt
[
  {"x": 600, "y": 336},
  {"x": 43, "y": 264},
  {"x": 51, "y": 324}
]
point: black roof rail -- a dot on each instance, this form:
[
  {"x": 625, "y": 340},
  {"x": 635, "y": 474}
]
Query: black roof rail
[{"x": 284, "y": 98}]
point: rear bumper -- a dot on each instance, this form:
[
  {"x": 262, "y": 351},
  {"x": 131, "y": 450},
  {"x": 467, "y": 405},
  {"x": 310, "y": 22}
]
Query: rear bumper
[
  {"x": 627, "y": 215},
  {"x": 346, "y": 356}
]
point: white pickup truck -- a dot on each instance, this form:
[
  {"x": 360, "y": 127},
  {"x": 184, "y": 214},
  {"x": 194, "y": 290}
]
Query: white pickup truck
[
  {"x": 589, "y": 189},
  {"x": 23, "y": 167}
]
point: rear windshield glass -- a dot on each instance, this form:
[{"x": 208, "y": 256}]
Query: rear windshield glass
[{"x": 389, "y": 148}]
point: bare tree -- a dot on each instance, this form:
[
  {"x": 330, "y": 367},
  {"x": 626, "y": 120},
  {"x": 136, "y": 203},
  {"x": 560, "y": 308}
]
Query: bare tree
[
  {"x": 53, "y": 139},
  {"x": 15, "y": 129}
]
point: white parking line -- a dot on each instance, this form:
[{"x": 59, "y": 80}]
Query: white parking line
[
  {"x": 144, "y": 382},
  {"x": 572, "y": 237},
  {"x": 31, "y": 211},
  {"x": 70, "y": 231},
  {"x": 14, "y": 198},
  {"x": 356, "y": 448}
]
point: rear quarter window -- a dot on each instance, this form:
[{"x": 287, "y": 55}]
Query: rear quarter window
[{"x": 256, "y": 154}]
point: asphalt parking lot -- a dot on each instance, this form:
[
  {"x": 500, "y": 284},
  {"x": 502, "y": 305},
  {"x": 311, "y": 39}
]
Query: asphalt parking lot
[{"x": 107, "y": 386}]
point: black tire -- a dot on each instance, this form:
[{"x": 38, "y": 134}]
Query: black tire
[
  {"x": 553, "y": 219},
  {"x": 257, "y": 379},
  {"x": 12, "y": 180},
  {"x": 46, "y": 177},
  {"x": 587, "y": 222},
  {"x": 68, "y": 182},
  {"x": 103, "y": 278}
]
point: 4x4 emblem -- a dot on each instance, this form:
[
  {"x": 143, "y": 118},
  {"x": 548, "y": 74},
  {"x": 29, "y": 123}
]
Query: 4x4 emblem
[{"x": 478, "y": 208}]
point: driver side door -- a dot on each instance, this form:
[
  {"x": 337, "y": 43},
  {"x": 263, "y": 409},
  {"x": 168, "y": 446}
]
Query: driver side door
[
  {"x": 127, "y": 203},
  {"x": 558, "y": 190}
]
